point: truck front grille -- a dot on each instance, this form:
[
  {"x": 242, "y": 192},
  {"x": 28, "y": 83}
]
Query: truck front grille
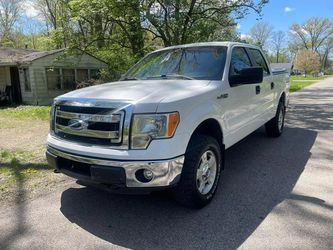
[{"x": 93, "y": 125}]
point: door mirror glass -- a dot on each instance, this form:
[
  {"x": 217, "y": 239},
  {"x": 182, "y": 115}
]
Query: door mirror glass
[{"x": 251, "y": 75}]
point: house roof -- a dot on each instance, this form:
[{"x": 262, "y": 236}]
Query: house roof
[
  {"x": 38, "y": 54},
  {"x": 9, "y": 56},
  {"x": 12, "y": 57}
]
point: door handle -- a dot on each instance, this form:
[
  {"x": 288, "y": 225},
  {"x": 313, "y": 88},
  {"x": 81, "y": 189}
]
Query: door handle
[
  {"x": 257, "y": 90},
  {"x": 272, "y": 85}
]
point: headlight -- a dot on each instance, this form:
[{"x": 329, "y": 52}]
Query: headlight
[{"x": 147, "y": 127}]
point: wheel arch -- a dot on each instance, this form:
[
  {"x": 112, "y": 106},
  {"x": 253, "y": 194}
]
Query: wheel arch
[
  {"x": 283, "y": 98},
  {"x": 211, "y": 127}
]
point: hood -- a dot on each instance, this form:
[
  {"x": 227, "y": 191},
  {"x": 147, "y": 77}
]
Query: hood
[{"x": 138, "y": 91}]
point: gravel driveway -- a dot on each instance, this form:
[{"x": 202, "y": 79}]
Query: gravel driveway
[{"x": 274, "y": 194}]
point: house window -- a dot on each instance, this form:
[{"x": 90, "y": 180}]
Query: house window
[
  {"x": 53, "y": 77},
  {"x": 26, "y": 78},
  {"x": 94, "y": 74},
  {"x": 68, "y": 79},
  {"x": 82, "y": 75}
]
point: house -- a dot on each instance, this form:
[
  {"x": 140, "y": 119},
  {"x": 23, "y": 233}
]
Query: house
[{"x": 34, "y": 77}]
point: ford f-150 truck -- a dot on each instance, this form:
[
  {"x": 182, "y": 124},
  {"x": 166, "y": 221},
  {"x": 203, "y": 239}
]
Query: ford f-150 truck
[{"x": 167, "y": 122}]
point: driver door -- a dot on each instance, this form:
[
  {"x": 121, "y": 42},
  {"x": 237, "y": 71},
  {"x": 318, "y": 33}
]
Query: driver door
[{"x": 239, "y": 107}]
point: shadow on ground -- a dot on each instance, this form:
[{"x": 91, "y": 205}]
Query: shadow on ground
[
  {"x": 312, "y": 108},
  {"x": 261, "y": 172},
  {"x": 17, "y": 170}
]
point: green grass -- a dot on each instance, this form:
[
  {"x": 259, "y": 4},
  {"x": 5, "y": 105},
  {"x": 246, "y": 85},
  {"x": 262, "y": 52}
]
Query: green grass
[
  {"x": 294, "y": 85},
  {"x": 300, "y": 77},
  {"x": 19, "y": 165},
  {"x": 29, "y": 161},
  {"x": 29, "y": 112}
]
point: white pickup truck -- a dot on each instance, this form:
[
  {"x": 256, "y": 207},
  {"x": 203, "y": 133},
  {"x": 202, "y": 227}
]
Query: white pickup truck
[{"x": 168, "y": 121}]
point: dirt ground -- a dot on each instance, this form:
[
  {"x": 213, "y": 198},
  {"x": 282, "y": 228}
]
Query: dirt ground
[{"x": 22, "y": 134}]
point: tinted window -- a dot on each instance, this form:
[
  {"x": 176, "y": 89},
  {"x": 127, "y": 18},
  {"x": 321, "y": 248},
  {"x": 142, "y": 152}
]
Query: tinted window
[
  {"x": 259, "y": 60},
  {"x": 195, "y": 62},
  {"x": 239, "y": 61}
]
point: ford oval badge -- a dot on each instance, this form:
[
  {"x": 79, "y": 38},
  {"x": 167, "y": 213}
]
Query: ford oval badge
[{"x": 77, "y": 124}]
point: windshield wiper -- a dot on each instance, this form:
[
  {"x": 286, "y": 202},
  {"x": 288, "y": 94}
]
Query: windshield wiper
[{"x": 172, "y": 76}]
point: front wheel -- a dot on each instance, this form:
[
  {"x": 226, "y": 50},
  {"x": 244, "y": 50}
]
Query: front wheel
[
  {"x": 274, "y": 127},
  {"x": 201, "y": 172}
]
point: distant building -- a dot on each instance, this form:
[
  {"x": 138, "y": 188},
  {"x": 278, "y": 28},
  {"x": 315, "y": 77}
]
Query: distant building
[{"x": 34, "y": 77}]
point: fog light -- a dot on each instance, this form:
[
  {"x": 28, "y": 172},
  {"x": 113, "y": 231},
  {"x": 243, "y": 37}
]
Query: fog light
[
  {"x": 148, "y": 174},
  {"x": 144, "y": 175}
]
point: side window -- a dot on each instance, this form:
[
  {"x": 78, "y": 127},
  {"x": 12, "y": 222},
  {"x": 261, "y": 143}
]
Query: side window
[
  {"x": 53, "y": 78},
  {"x": 82, "y": 75},
  {"x": 259, "y": 60},
  {"x": 27, "y": 85},
  {"x": 239, "y": 61},
  {"x": 68, "y": 79}
]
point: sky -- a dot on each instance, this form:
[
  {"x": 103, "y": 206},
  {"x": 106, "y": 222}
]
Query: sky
[{"x": 282, "y": 13}]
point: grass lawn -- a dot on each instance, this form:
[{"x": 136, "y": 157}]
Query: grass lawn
[
  {"x": 299, "y": 82},
  {"x": 295, "y": 85},
  {"x": 19, "y": 166},
  {"x": 30, "y": 112},
  {"x": 300, "y": 77}
]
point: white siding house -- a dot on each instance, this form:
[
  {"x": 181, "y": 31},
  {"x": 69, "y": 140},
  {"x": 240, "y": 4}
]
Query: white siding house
[{"x": 41, "y": 76}]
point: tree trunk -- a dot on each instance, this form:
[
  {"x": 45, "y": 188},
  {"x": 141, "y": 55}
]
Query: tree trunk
[
  {"x": 136, "y": 32},
  {"x": 98, "y": 31}
]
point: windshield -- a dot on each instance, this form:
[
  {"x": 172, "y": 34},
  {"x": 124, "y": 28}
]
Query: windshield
[{"x": 205, "y": 63}]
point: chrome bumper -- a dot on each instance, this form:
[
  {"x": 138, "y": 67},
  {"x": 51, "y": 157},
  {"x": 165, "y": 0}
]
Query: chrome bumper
[{"x": 165, "y": 172}]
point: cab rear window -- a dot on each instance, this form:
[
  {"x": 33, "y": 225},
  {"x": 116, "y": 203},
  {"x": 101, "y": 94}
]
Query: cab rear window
[{"x": 259, "y": 60}]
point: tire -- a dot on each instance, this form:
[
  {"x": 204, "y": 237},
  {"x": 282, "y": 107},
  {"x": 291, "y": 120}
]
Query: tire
[
  {"x": 198, "y": 182},
  {"x": 274, "y": 127}
]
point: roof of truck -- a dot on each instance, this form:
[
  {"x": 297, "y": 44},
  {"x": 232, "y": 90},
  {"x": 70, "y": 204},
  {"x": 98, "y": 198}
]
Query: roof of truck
[{"x": 204, "y": 44}]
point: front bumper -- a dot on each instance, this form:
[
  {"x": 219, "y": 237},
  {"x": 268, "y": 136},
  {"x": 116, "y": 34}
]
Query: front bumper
[{"x": 115, "y": 173}]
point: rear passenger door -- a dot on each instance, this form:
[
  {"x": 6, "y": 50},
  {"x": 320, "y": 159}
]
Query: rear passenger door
[{"x": 265, "y": 95}]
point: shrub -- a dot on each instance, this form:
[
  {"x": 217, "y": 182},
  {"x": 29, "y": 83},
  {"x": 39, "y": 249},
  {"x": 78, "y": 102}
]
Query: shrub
[{"x": 88, "y": 83}]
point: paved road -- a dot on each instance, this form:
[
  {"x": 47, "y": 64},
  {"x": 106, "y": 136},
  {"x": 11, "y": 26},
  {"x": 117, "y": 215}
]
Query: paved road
[{"x": 275, "y": 194}]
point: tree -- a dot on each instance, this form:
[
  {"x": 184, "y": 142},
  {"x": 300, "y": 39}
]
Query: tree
[
  {"x": 307, "y": 61},
  {"x": 326, "y": 50},
  {"x": 260, "y": 33},
  {"x": 178, "y": 21},
  {"x": 10, "y": 11},
  {"x": 278, "y": 41},
  {"x": 313, "y": 33}
]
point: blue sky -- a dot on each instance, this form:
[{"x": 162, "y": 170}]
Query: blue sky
[{"x": 282, "y": 13}]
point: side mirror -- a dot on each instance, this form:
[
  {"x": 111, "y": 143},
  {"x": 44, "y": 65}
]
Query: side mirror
[{"x": 251, "y": 75}]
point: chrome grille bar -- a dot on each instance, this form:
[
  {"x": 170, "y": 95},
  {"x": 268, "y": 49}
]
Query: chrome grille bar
[
  {"x": 88, "y": 132},
  {"x": 111, "y": 118}
]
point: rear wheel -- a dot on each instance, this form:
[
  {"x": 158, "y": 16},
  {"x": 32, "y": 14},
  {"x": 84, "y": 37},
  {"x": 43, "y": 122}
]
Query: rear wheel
[
  {"x": 201, "y": 172},
  {"x": 274, "y": 127}
]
